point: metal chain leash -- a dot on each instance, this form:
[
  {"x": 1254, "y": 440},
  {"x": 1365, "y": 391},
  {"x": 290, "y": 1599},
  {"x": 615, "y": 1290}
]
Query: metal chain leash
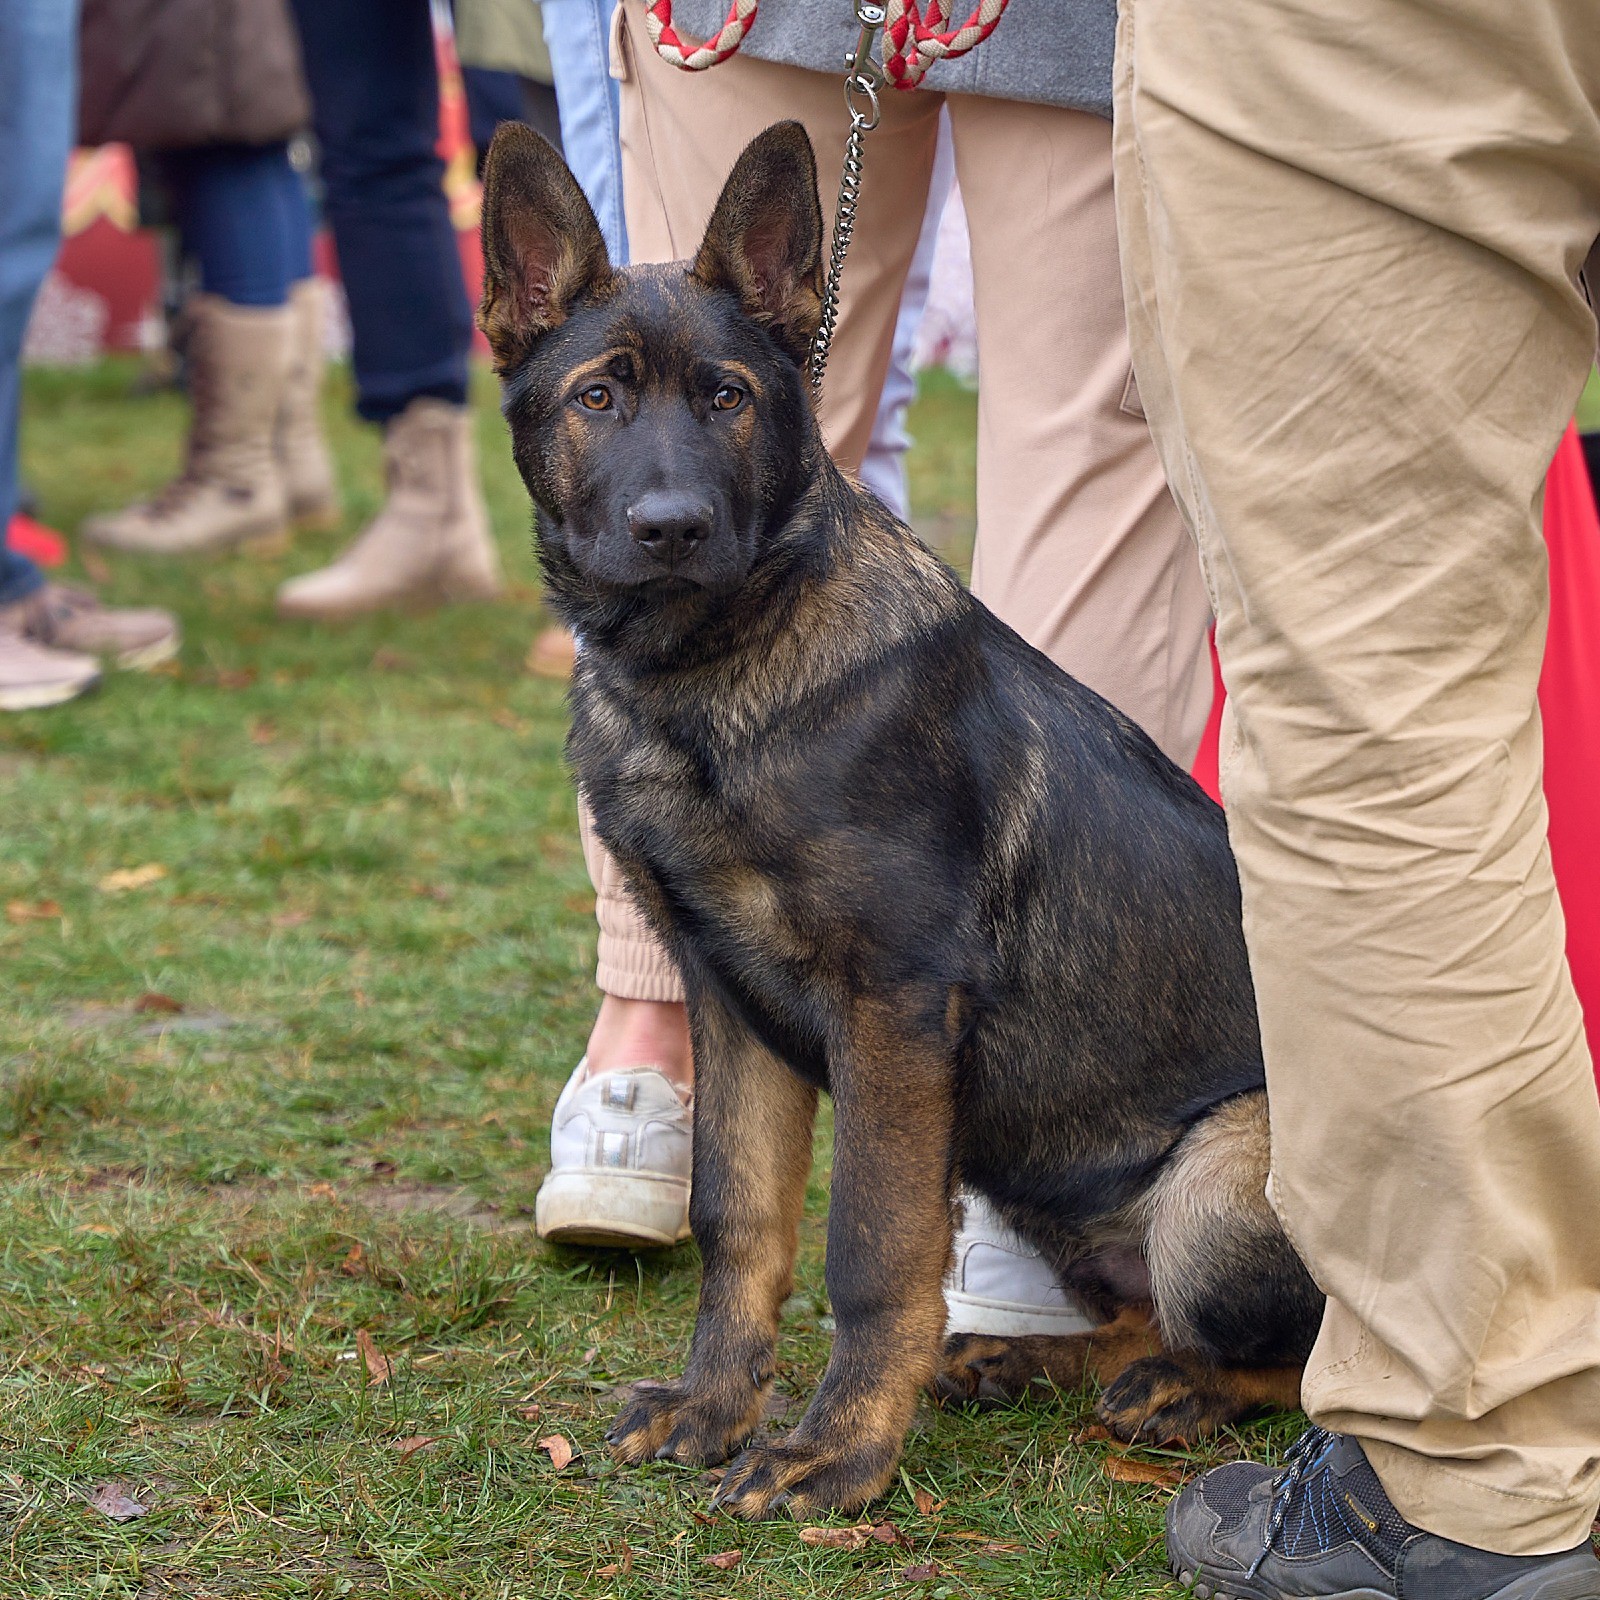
[{"x": 863, "y": 78}]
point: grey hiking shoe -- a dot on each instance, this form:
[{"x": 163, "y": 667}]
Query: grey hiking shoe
[{"x": 1322, "y": 1526}]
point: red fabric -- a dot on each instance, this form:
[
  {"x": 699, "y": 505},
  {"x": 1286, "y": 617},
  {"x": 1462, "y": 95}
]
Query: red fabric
[
  {"x": 1569, "y": 701},
  {"x": 34, "y": 540},
  {"x": 1205, "y": 762}
]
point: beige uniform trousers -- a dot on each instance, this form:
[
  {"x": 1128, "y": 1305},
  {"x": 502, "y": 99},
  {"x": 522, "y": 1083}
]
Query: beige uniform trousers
[
  {"x": 1351, "y": 233},
  {"x": 1079, "y": 546}
]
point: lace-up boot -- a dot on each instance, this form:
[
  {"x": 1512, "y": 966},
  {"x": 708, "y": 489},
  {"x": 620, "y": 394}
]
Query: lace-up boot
[
  {"x": 1322, "y": 1526},
  {"x": 230, "y": 490},
  {"x": 430, "y": 543}
]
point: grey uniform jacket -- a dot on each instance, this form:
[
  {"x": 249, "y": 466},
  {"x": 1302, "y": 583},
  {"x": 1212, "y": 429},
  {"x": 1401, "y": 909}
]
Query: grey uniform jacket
[{"x": 1055, "y": 52}]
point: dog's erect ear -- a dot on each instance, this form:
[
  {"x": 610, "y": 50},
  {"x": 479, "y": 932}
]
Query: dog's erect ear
[
  {"x": 542, "y": 248},
  {"x": 764, "y": 241}
]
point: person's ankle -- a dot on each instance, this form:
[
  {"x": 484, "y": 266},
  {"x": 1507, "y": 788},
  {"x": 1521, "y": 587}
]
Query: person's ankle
[{"x": 642, "y": 1033}]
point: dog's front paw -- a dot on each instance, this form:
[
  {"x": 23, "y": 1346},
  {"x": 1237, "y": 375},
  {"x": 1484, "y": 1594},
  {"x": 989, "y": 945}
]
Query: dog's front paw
[
  {"x": 672, "y": 1422},
  {"x": 805, "y": 1478}
]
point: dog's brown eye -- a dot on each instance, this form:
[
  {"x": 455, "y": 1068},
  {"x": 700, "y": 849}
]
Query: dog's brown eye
[
  {"x": 596, "y": 399},
  {"x": 728, "y": 398}
]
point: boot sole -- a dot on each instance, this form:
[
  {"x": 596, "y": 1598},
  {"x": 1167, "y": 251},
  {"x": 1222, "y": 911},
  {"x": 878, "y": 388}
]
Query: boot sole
[
  {"x": 39, "y": 697},
  {"x": 613, "y": 1210},
  {"x": 146, "y": 656},
  {"x": 268, "y": 541},
  {"x": 416, "y": 603},
  {"x": 1576, "y": 1583}
]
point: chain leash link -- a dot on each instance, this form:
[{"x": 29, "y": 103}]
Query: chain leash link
[{"x": 863, "y": 78}]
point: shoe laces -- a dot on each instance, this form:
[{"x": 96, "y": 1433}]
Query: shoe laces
[{"x": 1298, "y": 1459}]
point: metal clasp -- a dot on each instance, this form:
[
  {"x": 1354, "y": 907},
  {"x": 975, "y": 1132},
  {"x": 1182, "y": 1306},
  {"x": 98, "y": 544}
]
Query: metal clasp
[{"x": 865, "y": 76}]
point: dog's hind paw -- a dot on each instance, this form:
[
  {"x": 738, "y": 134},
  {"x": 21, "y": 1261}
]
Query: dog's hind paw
[
  {"x": 670, "y": 1422},
  {"x": 798, "y": 1478},
  {"x": 981, "y": 1370},
  {"x": 1168, "y": 1400}
]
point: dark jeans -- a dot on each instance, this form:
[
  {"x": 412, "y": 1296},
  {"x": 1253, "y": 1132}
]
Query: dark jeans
[
  {"x": 244, "y": 217},
  {"x": 19, "y": 577},
  {"x": 375, "y": 93}
]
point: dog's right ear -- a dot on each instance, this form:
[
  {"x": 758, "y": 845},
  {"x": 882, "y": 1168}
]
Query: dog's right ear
[{"x": 542, "y": 248}]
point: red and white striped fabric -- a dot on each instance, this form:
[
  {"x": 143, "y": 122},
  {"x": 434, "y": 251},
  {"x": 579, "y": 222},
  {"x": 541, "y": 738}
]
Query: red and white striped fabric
[
  {"x": 914, "y": 39},
  {"x": 672, "y": 46}
]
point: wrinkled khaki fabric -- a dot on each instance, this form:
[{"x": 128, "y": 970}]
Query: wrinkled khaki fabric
[{"x": 1351, "y": 237}]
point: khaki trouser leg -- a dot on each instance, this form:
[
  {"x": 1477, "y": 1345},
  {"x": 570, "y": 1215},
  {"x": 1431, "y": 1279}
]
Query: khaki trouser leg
[{"x": 1349, "y": 234}]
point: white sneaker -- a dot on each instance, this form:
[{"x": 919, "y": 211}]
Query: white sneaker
[
  {"x": 619, "y": 1162},
  {"x": 999, "y": 1284}
]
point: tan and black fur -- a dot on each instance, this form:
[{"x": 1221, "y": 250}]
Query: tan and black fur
[{"x": 898, "y": 856}]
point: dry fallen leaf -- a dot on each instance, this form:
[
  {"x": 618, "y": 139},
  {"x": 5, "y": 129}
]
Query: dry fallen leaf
[
  {"x": 558, "y": 1449},
  {"x": 162, "y": 1003},
  {"x": 112, "y": 1500},
  {"x": 529, "y": 1413},
  {"x": 724, "y": 1559},
  {"x": 228, "y": 678},
  {"x": 377, "y": 1363},
  {"x": 351, "y": 1266},
  {"x": 887, "y": 1533},
  {"x": 925, "y": 1503},
  {"x": 322, "y": 1190},
  {"x": 132, "y": 878},
  {"x": 1000, "y": 1547},
  {"x": 1126, "y": 1469},
  {"x": 417, "y": 1441},
  {"x": 624, "y": 1566},
  {"x": 838, "y": 1538},
  {"x": 921, "y": 1574},
  {"x": 22, "y": 911}
]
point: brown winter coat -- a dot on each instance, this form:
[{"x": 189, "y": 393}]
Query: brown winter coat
[{"x": 171, "y": 74}]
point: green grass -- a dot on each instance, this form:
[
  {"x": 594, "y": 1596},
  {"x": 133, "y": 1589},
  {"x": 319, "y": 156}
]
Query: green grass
[{"x": 375, "y": 916}]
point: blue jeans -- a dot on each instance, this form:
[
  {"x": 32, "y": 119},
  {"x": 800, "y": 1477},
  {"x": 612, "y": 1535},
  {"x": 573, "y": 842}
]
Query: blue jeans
[
  {"x": 38, "y": 105},
  {"x": 375, "y": 99},
  {"x": 577, "y": 34},
  {"x": 244, "y": 217}
]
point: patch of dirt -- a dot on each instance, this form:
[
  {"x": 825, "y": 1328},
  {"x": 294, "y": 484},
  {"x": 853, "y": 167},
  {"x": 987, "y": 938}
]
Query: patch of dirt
[
  {"x": 106, "y": 1014},
  {"x": 404, "y": 1196},
  {"x": 399, "y": 1197}
]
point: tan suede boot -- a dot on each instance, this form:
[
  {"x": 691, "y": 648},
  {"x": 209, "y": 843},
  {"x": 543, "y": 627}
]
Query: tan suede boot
[
  {"x": 230, "y": 491},
  {"x": 429, "y": 544},
  {"x": 303, "y": 458}
]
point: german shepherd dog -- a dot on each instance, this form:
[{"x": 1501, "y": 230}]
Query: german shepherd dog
[{"x": 896, "y": 854}]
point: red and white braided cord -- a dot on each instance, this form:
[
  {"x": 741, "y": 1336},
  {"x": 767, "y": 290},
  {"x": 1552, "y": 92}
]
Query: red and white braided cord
[
  {"x": 914, "y": 39},
  {"x": 672, "y": 46}
]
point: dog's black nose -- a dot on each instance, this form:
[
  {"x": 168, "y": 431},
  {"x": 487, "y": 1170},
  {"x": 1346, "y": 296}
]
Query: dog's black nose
[{"x": 669, "y": 523}]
